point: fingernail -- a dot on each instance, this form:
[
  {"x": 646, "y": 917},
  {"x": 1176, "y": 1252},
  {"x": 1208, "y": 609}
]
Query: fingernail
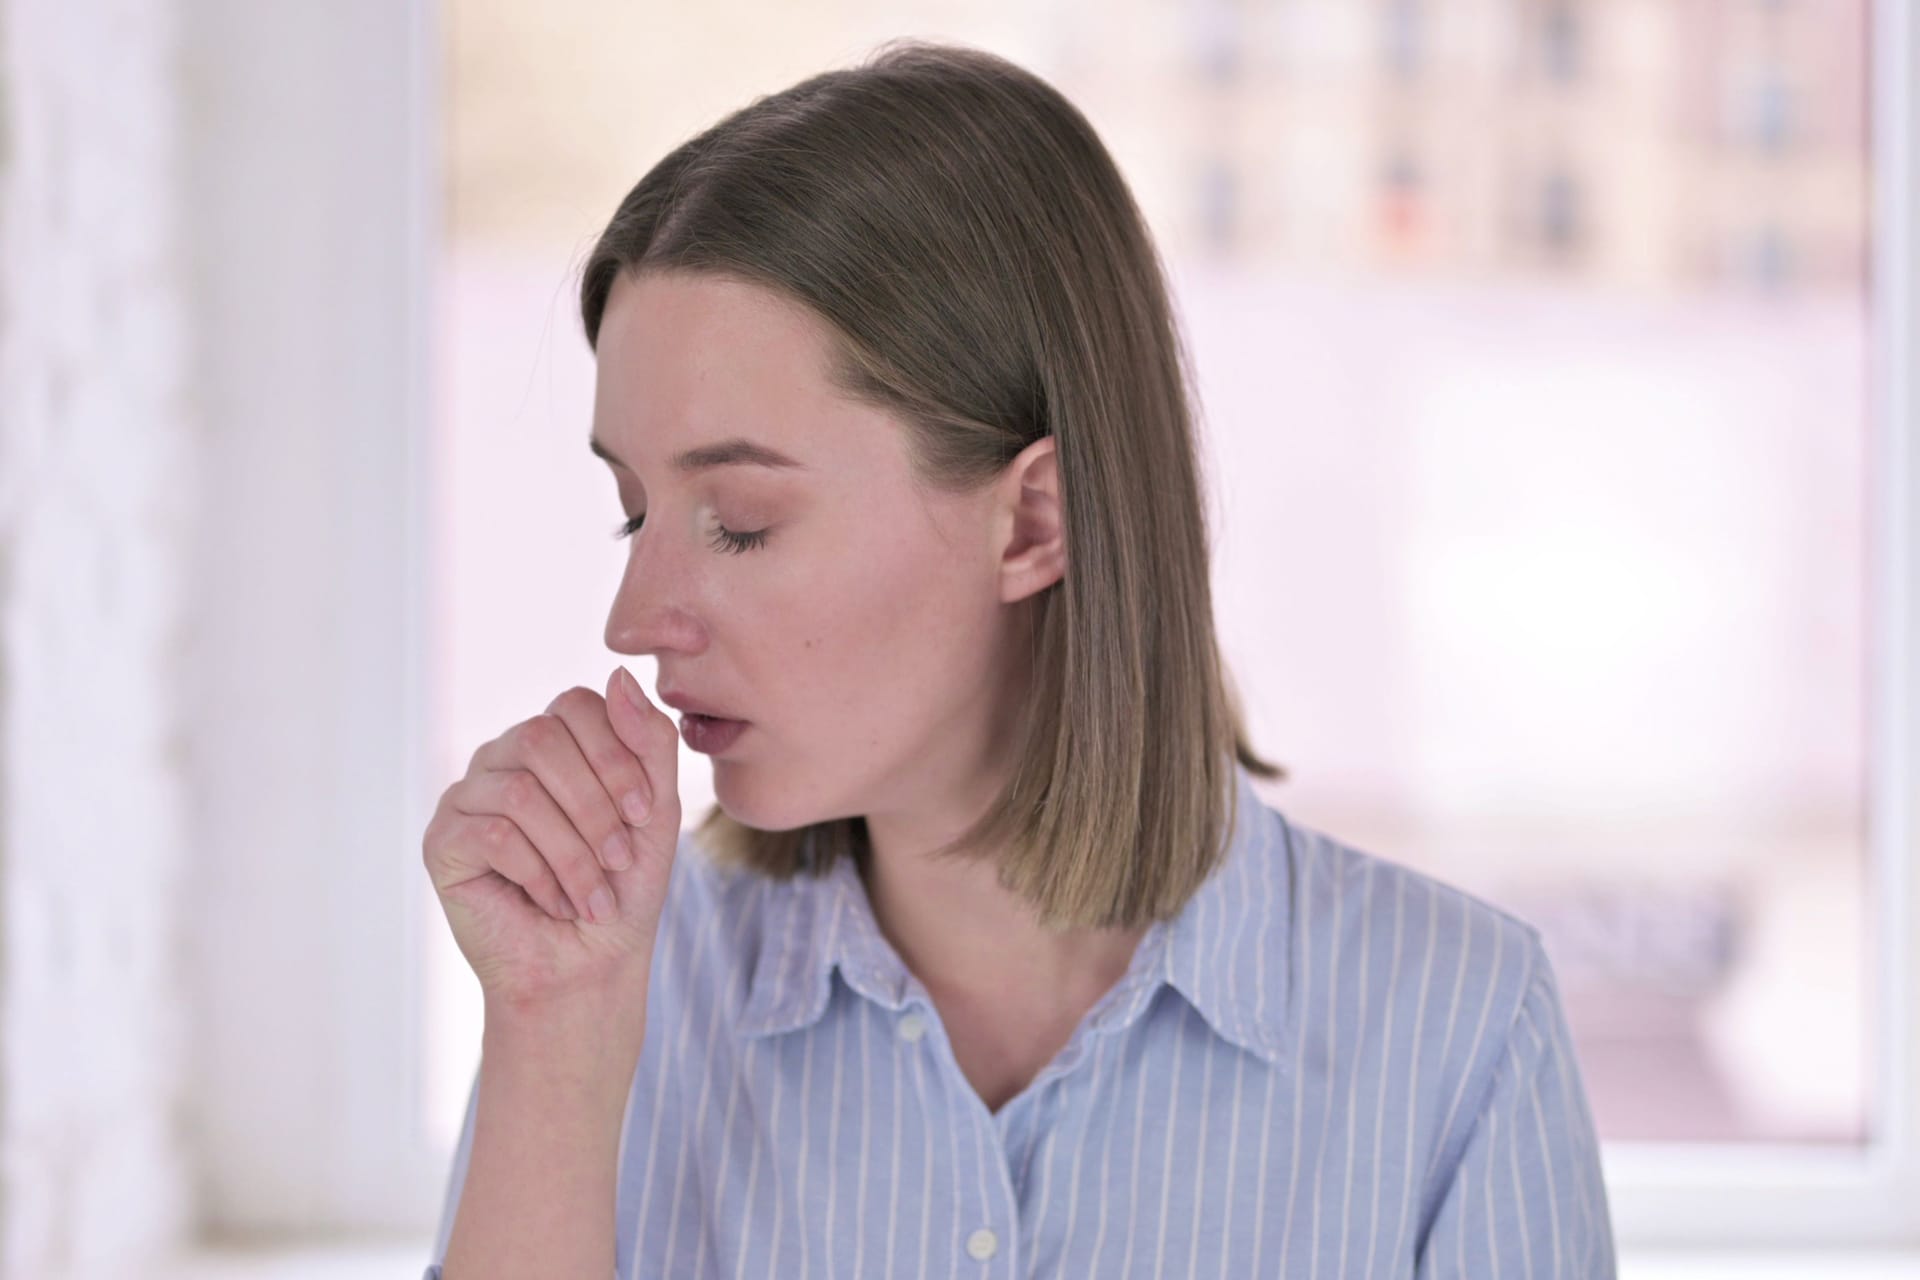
[
  {"x": 631, "y": 687},
  {"x": 617, "y": 854},
  {"x": 634, "y": 805},
  {"x": 600, "y": 905}
]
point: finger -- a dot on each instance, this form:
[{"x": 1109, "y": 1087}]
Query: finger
[
  {"x": 520, "y": 793},
  {"x": 460, "y": 847},
  {"x": 648, "y": 732},
  {"x": 626, "y": 794},
  {"x": 512, "y": 855},
  {"x": 550, "y": 747}
]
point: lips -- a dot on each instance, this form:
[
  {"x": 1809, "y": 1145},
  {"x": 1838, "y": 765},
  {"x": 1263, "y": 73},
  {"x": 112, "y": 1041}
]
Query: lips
[
  {"x": 709, "y": 736},
  {"x": 697, "y": 706}
]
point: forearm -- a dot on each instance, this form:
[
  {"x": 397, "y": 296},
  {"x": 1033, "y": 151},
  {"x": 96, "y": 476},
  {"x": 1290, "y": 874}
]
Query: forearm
[{"x": 539, "y": 1192}]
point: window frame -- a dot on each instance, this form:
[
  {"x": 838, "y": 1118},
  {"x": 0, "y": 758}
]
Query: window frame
[
  {"x": 1723, "y": 1196},
  {"x": 311, "y": 140}
]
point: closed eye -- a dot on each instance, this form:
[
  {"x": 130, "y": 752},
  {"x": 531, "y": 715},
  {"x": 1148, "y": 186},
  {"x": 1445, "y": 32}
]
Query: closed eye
[{"x": 724, "y": 538}]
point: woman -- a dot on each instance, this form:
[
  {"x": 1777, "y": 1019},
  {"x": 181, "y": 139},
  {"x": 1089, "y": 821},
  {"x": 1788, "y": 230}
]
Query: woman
[{"x": 988, "y": 961}]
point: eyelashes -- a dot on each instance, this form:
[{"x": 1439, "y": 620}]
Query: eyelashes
[
  {"x": 735, "y": 543},
  {"x": 724, "y": 539}
]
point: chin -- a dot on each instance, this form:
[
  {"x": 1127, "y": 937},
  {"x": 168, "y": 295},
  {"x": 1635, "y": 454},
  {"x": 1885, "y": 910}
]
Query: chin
[
  {"x": 748, "y": 804},
  {"x": 752, "y": 802}
]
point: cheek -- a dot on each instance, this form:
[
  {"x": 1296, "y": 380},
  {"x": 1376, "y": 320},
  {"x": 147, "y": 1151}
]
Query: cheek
[{"x": 884, "y": 631}]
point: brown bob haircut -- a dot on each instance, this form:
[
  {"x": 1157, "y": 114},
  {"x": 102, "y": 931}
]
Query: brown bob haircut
[{"x": 990, "y": 281}]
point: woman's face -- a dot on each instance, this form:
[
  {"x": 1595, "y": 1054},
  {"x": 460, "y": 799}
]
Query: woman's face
[{"x": 868, "y": 633}]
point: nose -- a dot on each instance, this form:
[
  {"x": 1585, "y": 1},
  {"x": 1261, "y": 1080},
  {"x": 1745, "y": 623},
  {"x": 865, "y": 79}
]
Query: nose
[{"x": 653, "y": 610}]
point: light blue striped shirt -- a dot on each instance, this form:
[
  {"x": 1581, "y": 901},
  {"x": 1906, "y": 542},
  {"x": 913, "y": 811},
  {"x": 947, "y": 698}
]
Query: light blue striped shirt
[{"x": 1328, "y": 1065}]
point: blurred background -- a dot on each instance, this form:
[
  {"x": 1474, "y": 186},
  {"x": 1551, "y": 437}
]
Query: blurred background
[{"x": 1555, "y": 359}]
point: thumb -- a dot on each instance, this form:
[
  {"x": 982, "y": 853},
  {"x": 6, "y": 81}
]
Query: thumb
[
  {"x": 627, "y": 718},
  {"x": 629, "y": 711}
]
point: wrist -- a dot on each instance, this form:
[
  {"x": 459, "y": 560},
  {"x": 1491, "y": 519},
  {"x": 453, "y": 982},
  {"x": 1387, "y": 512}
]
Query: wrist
[
  {"x": 579, "y": 1038},
  {"x": 610, "y": 998}
]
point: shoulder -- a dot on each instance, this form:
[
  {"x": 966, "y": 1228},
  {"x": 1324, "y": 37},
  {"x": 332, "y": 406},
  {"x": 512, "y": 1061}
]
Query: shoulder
[
  {"x": 1394, "y": 974},
  {"x": 1393, "y": 964},
  {"x": 1350, "y": 901}
]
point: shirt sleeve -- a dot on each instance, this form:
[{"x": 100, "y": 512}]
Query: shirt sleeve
[
  {"x": 456, "y": 1182},
  {"x": 1526, "y": 1197}
]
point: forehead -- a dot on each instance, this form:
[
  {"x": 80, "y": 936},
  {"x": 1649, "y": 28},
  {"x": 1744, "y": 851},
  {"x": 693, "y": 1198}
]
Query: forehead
[{"x": 683, "y": 358}]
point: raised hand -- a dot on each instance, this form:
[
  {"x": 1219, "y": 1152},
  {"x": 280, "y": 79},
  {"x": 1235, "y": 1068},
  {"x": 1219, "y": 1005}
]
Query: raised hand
[{"x": 526, "y": 851}]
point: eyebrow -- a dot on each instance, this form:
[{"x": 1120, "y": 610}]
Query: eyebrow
[{"x": 737, "y": 451}]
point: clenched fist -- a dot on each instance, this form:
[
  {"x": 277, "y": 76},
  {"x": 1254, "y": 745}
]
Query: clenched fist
[{"x": 551, "y": 856}]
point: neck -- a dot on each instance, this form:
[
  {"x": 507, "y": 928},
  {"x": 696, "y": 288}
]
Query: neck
[{"x": 962, "y": 934}]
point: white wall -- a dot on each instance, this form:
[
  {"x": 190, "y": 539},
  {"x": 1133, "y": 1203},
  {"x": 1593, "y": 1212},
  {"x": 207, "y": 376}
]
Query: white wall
[
  {"x": 97, "y": 501},
  {"x": 213, "y": 229}
]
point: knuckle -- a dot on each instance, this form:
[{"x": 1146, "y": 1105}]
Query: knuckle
[
  {"x": 540, "y": 733},
  {"x": 518, "y": 789},
  {"x": 495, "y": 831},
  {"x": 614, "y": 763},
  {"x": 579, "y": 697},
  {"x": 580, "y": 868}
]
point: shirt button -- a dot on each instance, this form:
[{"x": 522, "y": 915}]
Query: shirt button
[
  {"x": 981, "y": 1244},
  {"x": 912, "y": 1026}
]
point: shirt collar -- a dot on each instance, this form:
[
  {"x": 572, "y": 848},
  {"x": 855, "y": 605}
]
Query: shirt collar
[{"x": 1224, "y": 952}]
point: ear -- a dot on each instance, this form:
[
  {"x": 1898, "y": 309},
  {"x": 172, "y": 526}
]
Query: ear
[{"x": 1028, "y": 522}]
